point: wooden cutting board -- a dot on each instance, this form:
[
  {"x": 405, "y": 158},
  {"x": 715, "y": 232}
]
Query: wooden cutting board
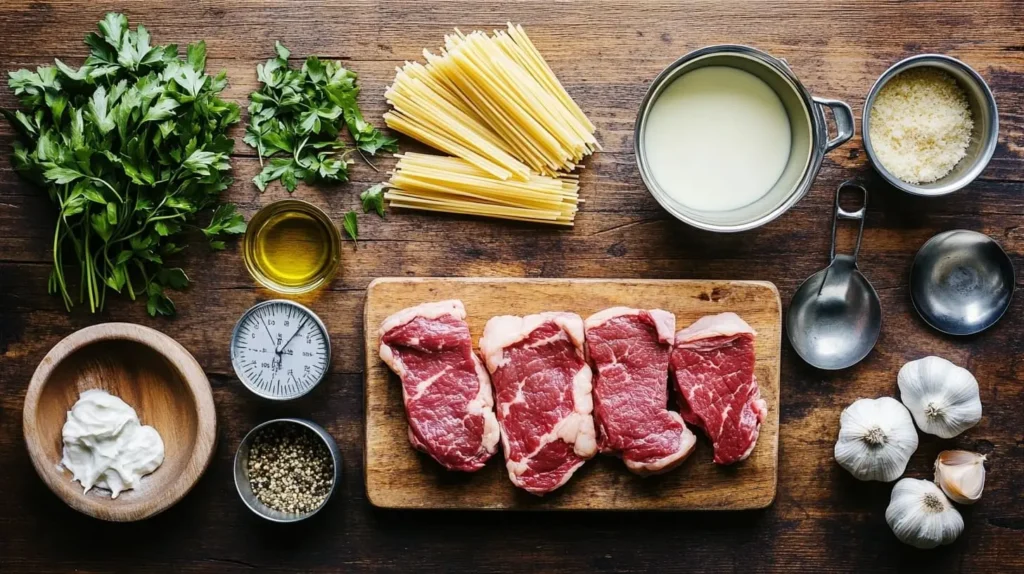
[{"x": 397, "y": 476}]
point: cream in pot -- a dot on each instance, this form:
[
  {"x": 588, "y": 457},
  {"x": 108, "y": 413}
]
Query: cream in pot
[
  {"x": 727, "y": 139},
  {"x": 718, "y": 138}
]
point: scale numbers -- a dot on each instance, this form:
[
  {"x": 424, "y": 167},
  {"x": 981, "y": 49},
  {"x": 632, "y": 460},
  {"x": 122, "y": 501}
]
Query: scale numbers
[{"x": 280, "y": 349}]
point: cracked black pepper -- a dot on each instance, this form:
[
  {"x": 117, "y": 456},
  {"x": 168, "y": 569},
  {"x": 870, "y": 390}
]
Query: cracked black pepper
[{"x": 290, "y": 468}]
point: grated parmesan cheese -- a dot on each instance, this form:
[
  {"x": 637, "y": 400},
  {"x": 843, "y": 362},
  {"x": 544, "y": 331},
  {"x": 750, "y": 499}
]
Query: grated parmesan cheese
[{"x": 920, "y": 125}]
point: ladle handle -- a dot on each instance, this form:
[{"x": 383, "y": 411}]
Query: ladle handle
[{"x": 841, "y": 213}]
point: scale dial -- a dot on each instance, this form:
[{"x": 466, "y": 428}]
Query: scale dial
[{"x": 280, "y": 349}]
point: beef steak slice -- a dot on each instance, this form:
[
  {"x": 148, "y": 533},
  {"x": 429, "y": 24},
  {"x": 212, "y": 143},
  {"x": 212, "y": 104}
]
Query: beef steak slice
[
  {"x": 629, "y": 350},
  {"x": 445, "y": 387},
  {"x": 543, "y": 392},
  {"x": 713, "y": 363}
]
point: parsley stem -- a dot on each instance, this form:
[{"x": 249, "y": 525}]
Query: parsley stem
[
  {"x": 86, "y": 263},
  {"x": 57, "y": 267},
  {"x": 112, "y": 190},
  {"x": 368, "y": 162},
  {"x": 128, "y": 283}
]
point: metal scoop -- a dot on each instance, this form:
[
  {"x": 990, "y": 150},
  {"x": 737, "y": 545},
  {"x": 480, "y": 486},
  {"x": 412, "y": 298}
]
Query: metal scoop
[
  {"x": 961, "y": 282},
  {"x": 835, "y": 317}
]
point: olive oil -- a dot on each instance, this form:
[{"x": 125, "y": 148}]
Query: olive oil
[{"x": 292, "y": 247}]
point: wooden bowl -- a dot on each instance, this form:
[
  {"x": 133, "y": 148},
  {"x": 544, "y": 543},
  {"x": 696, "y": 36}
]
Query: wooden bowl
[{"x": 153, "y": 374}]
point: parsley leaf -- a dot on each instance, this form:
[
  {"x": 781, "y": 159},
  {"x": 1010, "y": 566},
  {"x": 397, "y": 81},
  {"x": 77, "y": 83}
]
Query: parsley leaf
[
  {"x": 373, "y": 199},
  {"x": 131, "y": 146},
  {"x": 367, "y": 137},
  {"x": 225, "y": 221},
  {"x": 282, "y": 52},
  {"x": 351, "y": 226}
]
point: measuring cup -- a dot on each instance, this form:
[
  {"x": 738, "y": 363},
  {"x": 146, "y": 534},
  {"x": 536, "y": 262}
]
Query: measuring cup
[{"x": 835, "y": 316}]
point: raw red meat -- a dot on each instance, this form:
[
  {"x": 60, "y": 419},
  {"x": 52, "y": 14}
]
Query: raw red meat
[
  {"x": 445, "y": 387},
  {"x": 629, "y": 349},
  {"x": 543, "y": 386},
  {"x": 713, "y": 364}
]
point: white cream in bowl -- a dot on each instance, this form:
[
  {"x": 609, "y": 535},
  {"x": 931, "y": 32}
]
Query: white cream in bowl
[{"x": 106, "y": 445}]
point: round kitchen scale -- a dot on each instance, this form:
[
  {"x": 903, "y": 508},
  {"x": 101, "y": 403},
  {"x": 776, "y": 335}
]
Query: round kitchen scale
[{"x": 280, "y": 350}]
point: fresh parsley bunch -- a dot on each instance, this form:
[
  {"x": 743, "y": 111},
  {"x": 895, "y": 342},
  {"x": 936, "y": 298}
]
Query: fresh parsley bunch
[
  {"x": 298, "y": 113},
  {"x": 130, "y": 147}
]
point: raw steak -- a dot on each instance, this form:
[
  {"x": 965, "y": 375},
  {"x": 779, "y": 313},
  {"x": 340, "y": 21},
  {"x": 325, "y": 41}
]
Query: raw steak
[
  {"x": 445, "y": 387},
  {"x": 713, "y": 363},
  {"x": 629, "y": 349},
  {"x": 543, "y": 389}
]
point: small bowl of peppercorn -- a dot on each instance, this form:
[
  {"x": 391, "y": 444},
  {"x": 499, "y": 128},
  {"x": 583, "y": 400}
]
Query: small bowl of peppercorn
[{"x": 286, "y": 469}]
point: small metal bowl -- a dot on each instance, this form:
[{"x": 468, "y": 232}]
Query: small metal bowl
[
  {"x": 983, "y": 137},
  {"x": 242, "y": 472},
  {"x": 961, "y": 282}
]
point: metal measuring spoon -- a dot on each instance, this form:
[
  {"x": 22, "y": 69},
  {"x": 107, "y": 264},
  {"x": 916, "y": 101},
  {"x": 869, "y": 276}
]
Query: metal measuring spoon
[{"x": 835, "y": 316}]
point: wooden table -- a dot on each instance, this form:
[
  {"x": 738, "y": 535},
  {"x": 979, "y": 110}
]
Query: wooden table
[{"x": 605, "y": 53}]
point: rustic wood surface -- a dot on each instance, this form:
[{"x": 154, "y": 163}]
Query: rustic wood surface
[
  {"x": 399, "y": 477},
  {"x": 153, "y": 374},
  {"x": 605, "y": 52}
]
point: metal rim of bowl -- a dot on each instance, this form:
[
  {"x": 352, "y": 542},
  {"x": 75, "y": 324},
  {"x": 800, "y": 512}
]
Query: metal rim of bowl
[
  {"x": 1009, "y": 300},
  {"x": 980, "y": 163},
  {"x": 815, "y": 118},
  {"x": 240, "y": 475}
]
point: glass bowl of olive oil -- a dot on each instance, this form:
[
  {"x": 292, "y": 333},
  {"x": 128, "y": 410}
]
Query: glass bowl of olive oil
[{"x": 292, "y": 247}]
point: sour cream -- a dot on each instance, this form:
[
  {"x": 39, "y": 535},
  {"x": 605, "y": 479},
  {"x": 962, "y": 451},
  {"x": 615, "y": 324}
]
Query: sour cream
[
  {"x": 106, "y": 445},
  {"x": 717, "y": 139}
]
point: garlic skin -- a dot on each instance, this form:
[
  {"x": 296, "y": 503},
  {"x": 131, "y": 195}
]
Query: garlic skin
[
  {"x": 961, "y": 475},
  {"x": 920, "y": 514},
  {"x": 943, "y": 397},
  {"x": 876, "y": 439}
]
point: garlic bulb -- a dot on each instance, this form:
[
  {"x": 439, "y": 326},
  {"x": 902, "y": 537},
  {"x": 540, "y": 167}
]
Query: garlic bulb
[
  {"x": 961, "y": 475},
  {"x": 876, "y": 439},
  {"x": 942, "y": 396},
  {"x": 921, "y": 516}
]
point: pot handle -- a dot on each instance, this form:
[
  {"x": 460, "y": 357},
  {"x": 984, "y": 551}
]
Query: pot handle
[{"x": 844, "y": 121}]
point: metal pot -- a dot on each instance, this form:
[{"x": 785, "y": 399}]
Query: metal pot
[{"x": 809, "y": 129}]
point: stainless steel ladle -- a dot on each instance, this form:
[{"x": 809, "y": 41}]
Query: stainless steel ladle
[{"x": 835, "y": 316}]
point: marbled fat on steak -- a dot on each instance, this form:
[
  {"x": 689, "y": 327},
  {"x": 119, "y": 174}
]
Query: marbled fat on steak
[
  {"x": 446, "y": 390},
  {"x": 629, "y": 349},
  {"x": 542, "y": 385},
  {"x": 713, "y": 364}
]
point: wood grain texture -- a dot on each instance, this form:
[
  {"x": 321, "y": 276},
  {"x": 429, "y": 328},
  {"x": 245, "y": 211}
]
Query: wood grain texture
[
  {"x": 605, "y": 52},
  {"x": 399, "y": 477},
  {"x": 153, "y": 374}
]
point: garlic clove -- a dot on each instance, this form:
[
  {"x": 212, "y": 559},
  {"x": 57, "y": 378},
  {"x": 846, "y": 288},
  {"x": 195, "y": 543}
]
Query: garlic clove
[
  {"x": 920, "y": 515},
  {"x": 961, "y": 475},
  {"x": 943, "y": 398},
  {"x": 876, "y": 439}
]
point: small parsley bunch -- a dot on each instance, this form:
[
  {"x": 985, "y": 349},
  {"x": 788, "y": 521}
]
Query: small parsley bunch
[{"x": 295, "y": 118}]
